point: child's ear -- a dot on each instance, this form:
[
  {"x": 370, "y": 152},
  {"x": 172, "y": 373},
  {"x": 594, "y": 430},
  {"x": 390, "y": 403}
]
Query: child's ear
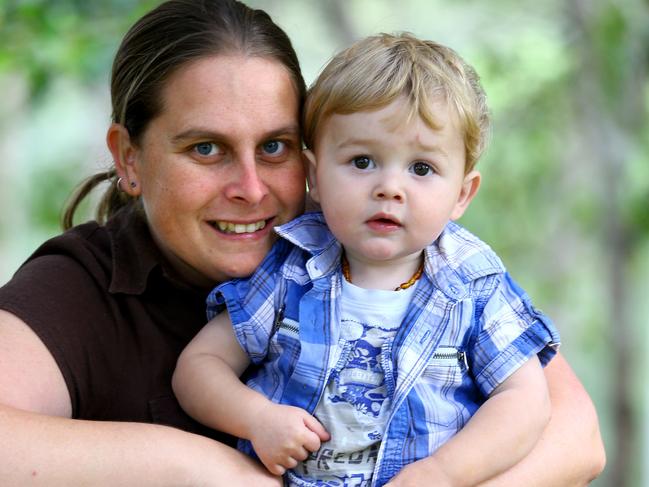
[
  {"x": 470, "y": 187},
  {"x": 310, "y": 162},
  {"x": 125, "y": 155}
]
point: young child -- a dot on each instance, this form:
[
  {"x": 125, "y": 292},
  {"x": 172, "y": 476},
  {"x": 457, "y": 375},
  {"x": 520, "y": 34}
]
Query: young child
[{"x": 400, "y": 331}]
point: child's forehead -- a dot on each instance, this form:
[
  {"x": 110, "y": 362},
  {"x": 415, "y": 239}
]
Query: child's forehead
[
  {"x": 435, "y": 113},
  {"x": 390, "y": 125}
]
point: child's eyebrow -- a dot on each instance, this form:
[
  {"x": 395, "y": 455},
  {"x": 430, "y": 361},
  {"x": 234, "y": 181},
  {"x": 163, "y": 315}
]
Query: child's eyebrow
[
  {"x": 361, "y": 141},
  {"x": 430, "y": 148},
  {"x": 354, "y": 141}
]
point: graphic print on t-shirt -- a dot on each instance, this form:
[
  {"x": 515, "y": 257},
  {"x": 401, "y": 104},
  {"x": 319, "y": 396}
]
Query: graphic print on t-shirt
[{"x": 354, "y": 407}]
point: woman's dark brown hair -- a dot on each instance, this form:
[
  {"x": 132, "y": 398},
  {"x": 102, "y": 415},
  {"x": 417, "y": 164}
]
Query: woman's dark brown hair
[{"x": 162, "y": 41}]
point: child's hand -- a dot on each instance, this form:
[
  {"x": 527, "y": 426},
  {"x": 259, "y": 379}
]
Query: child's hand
[{"x": 284, "y": 436}]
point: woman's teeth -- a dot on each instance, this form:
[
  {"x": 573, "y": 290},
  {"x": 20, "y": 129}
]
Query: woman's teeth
[{"x": 229, "y": 227}]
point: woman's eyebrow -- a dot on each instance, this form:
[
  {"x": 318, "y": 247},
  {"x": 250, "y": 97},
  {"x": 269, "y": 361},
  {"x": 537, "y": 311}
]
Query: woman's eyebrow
[
  {"x": 200, "y": 133},
  {"x": 293, "y": 130},
  {"x": 195, "y": 133}
]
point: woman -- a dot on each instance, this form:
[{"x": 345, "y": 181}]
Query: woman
[{"x": 206, "y": 100}]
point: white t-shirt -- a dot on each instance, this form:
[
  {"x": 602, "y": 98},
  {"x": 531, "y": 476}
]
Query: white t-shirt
[{"x": 354, "y": 406}]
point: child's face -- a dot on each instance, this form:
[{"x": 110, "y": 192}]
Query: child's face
[{"x": 387, "y": 188}]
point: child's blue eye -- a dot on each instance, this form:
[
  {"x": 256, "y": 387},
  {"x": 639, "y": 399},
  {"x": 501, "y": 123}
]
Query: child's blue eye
[
  {"x": 421, "y": 169},
  {"x": 206, "y": 148},
  {"x": 273, "y": 147},
  {"x": 362, "y": 162}
]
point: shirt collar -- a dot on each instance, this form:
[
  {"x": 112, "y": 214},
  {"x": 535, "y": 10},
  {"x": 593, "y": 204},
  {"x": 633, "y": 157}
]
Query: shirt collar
[
  {"x": 310, "y": 233},
  {"x": 455, "y": 259},
  {"x": 135, "y": 254}
]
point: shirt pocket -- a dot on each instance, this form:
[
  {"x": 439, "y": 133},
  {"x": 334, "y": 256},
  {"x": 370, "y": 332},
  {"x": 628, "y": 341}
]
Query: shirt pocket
[
  {"x": 443, "y": 376},
  {"x": 284, "y": 349},
  {"x": 285, "y": 335},
  {"x": 447, "y": 366}
]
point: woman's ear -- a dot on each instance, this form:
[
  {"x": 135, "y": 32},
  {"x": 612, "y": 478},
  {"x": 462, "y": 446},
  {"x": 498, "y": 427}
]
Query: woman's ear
[
  {"x": 124, "y": 155},
  {"x": 469, "y": 189},
  {"x": 310, "y": 162}
]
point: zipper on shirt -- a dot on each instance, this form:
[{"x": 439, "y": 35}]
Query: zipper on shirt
[
  {"x": 279, "y": 316},
  {"x": 289, "y": 327},
  {"x": 452, "y": 355},
  {"x": 280, "y": 323}
]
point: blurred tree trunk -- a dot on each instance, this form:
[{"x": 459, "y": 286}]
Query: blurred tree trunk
[
  {"x": 339, "y": 19},
  {"x": 610, "y": 112}
]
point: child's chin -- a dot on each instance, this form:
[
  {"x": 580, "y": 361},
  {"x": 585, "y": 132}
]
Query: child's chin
[{"x": 381, "y": 254}]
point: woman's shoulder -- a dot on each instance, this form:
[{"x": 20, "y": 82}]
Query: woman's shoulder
[
  {"x": 66, "y": 267},
  {"x": 59, "y": 291},
  {"x": 118, "y": 255},
  {"x": 86, "y": 243},
  {"x": 78, "y": 292}
]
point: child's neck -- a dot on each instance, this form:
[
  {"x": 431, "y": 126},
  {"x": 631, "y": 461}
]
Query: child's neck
[{"x": 387, "y": 275}]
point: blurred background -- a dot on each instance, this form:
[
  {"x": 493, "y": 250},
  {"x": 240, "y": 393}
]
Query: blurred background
[{"x": 565, "y": 195}]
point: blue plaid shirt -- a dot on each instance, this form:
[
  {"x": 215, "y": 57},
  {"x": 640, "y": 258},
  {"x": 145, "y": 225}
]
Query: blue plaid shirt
[{"x": 468, "y": 327}]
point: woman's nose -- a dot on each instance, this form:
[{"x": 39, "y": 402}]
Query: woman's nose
[{"x": 246, "y": 184}]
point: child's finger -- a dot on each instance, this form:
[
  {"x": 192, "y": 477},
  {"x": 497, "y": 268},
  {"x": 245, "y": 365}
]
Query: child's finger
[
  {"x": 290, "y": 463},
  {"x": 275, "y": 469},
  {"x": 302, "y": 453},
  {"x": 315, "y": 426},
  {"x": 312, "y": 442}
]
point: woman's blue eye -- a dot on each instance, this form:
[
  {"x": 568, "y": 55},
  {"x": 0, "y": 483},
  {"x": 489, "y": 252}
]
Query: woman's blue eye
[
  {"x": 421, "y": 169},
  {"x": 273, "y": 147},
  {"x": 206, "y": 148},
  {"x": 362, "y": 162}
]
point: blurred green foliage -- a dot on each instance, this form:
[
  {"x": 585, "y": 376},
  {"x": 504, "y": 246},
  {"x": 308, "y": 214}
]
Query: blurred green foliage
[
  {"x": 565, "y": 197},
  {"x": 46, "y": 39}
]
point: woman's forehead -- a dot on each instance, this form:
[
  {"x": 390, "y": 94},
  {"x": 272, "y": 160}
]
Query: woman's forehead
[
  {"x": 231, "y": 72},
  {"x": 236, "y": 95}
]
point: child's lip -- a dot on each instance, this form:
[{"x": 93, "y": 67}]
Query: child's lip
[{"x": 384, "y": 217}]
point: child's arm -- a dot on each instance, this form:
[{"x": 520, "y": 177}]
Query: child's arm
[
  {"x": 571, "y": 443},
  {"x": 501, "y": 433},
  {"x": 206, "y": 382}
]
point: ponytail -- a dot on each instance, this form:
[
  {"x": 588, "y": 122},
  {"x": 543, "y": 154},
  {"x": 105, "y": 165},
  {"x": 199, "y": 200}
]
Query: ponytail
[{"x": 112, "y": 200}]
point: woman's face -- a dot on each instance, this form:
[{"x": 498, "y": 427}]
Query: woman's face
[{"x": 221, "y": 165}]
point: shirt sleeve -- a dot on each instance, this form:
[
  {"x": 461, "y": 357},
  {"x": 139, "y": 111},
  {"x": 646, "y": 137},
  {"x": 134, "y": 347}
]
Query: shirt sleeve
[
  {"x": 510, "y": 332},
  {"x": 251, "y": 304},
  {"x": 61, "y": 302}
]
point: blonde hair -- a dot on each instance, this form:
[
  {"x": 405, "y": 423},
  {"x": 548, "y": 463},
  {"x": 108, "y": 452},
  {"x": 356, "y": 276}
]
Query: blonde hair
[{"x": 377, "y": 70}]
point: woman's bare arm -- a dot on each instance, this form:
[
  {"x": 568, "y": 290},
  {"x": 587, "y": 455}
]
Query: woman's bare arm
[
  {"x": 570, "y": 451},
  {"x": 40, "y": 445}
]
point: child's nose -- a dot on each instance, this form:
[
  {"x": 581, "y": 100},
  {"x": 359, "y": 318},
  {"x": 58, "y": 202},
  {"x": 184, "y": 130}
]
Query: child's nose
[{"x": 389, "y": 189}]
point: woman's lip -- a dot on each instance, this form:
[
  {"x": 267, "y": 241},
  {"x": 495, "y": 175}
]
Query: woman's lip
[
  {"x": 233, "y": 227},
  {"x": 249, "y": 229}
]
